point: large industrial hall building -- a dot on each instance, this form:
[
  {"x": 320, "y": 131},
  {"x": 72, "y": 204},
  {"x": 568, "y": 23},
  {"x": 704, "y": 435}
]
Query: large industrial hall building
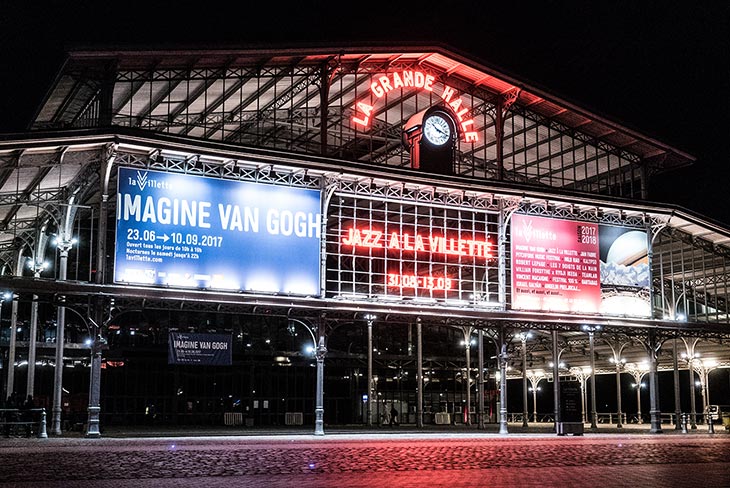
[{"x": 327, "y": 236}]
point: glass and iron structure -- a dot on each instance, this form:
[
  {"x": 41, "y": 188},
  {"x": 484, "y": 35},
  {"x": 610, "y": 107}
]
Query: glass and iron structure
[{"x": 418, "y": 275}]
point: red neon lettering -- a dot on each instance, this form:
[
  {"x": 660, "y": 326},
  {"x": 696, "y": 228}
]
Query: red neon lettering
[
  {"x": 428, "y": 83},
  {"x": 394, "y": 242},
  {"x": 367, "y": 110},
  {"x": 363, "y": 121},
  {"x": 363, "y": 238},
  {"x": 471, "y": 137},
  {"x": 466, "y": 124},
  {"x": 460, "y": 114},
  {"x": 375, "y": 88},
  {"x": 418, "y": 79},
  {"x": 397, "y": 82},
  {"x": 455, "y": 104},
  {"x": 437, "y": 244},
  {"x": 447, "y": 94},
  {"x": 386, "y": 83},
  {"x": 408, "y": 78}
]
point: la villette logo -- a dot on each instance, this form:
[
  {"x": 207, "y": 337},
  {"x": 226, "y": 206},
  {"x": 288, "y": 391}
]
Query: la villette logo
[
  {"x": 419, "y": 81},
  {"x": 142, "y": 180}
]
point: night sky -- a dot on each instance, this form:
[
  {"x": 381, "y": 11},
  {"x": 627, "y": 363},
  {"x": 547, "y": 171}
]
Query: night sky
[{"x": 655, "y": 67}]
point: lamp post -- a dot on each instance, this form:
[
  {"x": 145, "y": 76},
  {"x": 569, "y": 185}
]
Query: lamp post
[
  {"x": 690, "y": 358},
  {"x": 523, "y": 339},
  {"x": 467, "y": 343},
  {"x": 591, "y": 330},
  {"x": 370, "y": 318},
  {"x": 619, "y": 364},
  {"x": 319, "y": 350},
  {"x": 638, "y": 371},
  {"x": 535, "y": 377},
  {"x": 703, "y": 368}
]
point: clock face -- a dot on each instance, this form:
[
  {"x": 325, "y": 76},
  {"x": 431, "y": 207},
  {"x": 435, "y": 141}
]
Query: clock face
[{"x": 437, "y": 130}]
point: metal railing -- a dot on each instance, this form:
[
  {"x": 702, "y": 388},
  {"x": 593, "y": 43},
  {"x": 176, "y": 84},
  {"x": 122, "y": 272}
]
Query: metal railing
[{"x": 13, "y": 419}]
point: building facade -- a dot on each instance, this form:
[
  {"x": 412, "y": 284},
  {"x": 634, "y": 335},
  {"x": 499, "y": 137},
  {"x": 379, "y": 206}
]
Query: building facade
[{"x": 320, "y": 235}]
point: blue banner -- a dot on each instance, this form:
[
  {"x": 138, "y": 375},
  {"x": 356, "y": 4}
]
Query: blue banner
[
  {"x": 199, "y": 232},
  {"x": 200, "y": 349}
]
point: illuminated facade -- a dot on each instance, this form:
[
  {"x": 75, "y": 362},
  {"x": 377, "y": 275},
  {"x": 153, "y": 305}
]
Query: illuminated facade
[{"x": 298, "y": 201}]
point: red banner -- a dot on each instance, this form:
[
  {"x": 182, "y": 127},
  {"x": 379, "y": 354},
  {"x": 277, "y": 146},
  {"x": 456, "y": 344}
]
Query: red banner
[{"x": 555, "y": 265}]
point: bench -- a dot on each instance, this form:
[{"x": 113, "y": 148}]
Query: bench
[{"x": 13, "y": 421}]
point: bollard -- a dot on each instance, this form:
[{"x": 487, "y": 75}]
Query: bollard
[
  {"x": 684, "y": 421},
  {"x": 42, "y": 434},
  {"x": 710, "y": 426}
]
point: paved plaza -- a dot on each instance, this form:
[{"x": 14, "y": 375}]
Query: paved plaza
[{"x": 367, "y": 459}]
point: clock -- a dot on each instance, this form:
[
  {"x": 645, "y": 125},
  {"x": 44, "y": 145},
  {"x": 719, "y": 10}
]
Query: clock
[{"x": 437, "y": 130}]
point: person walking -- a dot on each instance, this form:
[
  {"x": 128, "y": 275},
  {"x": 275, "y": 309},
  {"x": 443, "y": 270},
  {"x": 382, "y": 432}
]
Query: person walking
[{"x": 393, "y": 416}]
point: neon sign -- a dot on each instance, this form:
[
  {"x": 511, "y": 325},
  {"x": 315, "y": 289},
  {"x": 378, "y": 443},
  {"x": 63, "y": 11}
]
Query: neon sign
[
  {"x": 432, "y": 283},
  {"x": 433, "y": 243},
  {"x": 417, "y": 80}
]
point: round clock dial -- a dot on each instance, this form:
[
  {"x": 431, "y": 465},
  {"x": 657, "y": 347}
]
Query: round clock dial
[{"x": 437, "y": 130}]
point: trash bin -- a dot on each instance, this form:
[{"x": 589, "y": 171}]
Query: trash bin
[{"x": 726, "y": 420}]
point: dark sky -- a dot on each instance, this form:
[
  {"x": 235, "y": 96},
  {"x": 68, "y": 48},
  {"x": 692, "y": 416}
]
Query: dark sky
[{"x": 660, "y": 68}]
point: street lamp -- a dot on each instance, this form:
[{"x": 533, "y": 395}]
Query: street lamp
[
  {"x": 524, "y": 336},
  {"x": 638, "y": 371},
  {"x": 619, "y": 362},
  {"x": 704, "y": 367},
  {"x": 691, "y": 358},
  {"x": 467, "y": 342},
  {"x": 535, "y": 376},
  {"x": 319, "y": 351}
]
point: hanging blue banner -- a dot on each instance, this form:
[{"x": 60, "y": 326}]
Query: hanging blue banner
[
  {"x": 199, "y": 232},
  {"x": 200, "y": 349}
]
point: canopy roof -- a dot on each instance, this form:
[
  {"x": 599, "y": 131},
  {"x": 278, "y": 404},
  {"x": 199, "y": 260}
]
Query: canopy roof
[{"x": 220, "y": 94}]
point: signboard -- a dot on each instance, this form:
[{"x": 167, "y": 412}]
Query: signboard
[
  {"x": 571, "y": 266},
  {"x": 200, "y": 349},
  {"x": 407, "y": 251},
  {"x": 571, "y": 402},
  {"x": 199, "y": 232}
]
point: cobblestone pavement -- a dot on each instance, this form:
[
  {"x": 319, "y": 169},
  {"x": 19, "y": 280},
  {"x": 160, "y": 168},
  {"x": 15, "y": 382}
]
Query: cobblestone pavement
[{"x": 369, "y": 460}]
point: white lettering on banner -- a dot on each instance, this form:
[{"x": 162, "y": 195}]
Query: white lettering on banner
[
  {"x": 231, "y": 217},
  {"x": 164, "y": 211},
  {"x": 286, "y": 223}
]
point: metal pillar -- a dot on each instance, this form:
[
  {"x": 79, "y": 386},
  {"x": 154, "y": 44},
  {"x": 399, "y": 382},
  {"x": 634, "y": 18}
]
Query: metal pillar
[
  {"x": 369, "y": 422},
  {"x": 654, "y": 409},
  {"x": 10, "y": 385},
  {"x": 480, "y": 380},
  {"x": 419, "y": 374},
  {"x": 619, "y": 424},
  {"x": 92, "y": 424},
  {"x": 594, "y": 414},
  {"x": 556, "y": 380},
  {"x": 32, "y": 338},
  {"x": 58, "y": 371},
  {"x": 524, "y": 380},
  {"x": 321, "y": 352},
  {"x": 693, "y": 407},
  {"x": 63, "y": 247},
  {"x": 677, "y": 398},
  {"x": 467, "y": 378},
  {"x": 502, "y": 383}
]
